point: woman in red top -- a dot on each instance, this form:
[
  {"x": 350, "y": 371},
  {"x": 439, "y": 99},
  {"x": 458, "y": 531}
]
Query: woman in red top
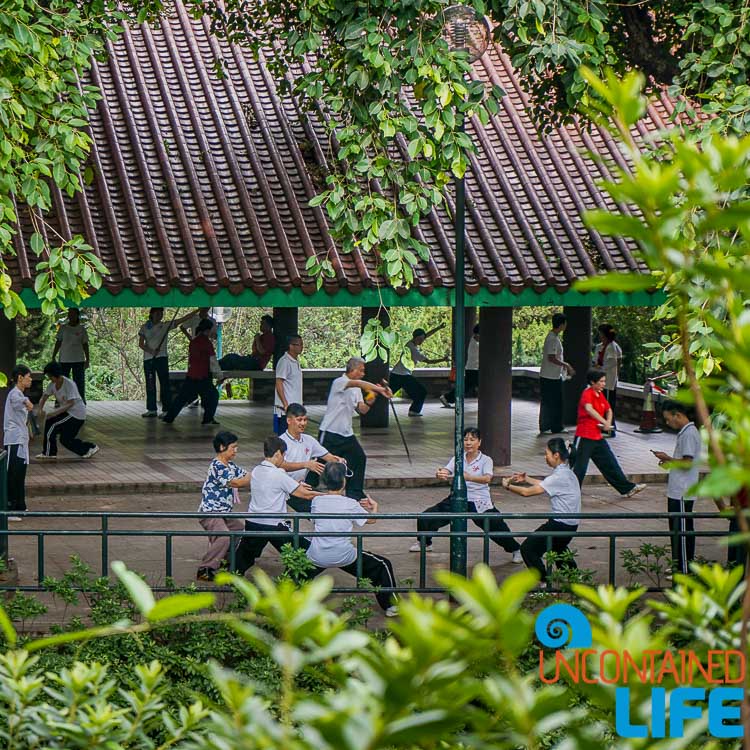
[{"x": 595, "y": 417}]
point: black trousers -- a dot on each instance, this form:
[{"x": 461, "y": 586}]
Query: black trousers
[
  {"x": 550, "y": 404},
  {"x": 496, "y": 523},
  {"x": 535, "y": 547},
  {"x": 66, "y": 428},
  {"x": 351, "y": 451},
  {"x": 378, "y": 570},
  {"x": 79, "y": 375},
  {"x": 414, "y": 389},
  {"x": 16, "y": 479},
  {"x": 239, "y": 362},
  {"x": 189, "y": 391},
  {"x": 157, "y": 368},
  {"x": 683, "y": 546},
  {"x": 471, "y": 383},
  {"x": 611, "y": 396},
  {"x": 601, "y": 454},
  {"x": 736, "y": 553},
  {"x": 251, "y": 547}
]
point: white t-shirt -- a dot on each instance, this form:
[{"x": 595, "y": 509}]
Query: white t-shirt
[
  {"x": 472, "y": 355},
  {"x": 564, "y": 493},
  {"x": 689, "y": 443},
  {"x": 72, "y": 339},
  {"x": 191, "y": 324},
  {"x": 156, "y": 334},
  {"x": 334, "y": 551},
  {"x": 304, "y": 449},
  {"x": 552, "y": 345},
  {"x": 416, "y": 358},
  {"x": 289, "y": 371},
  {"x": 341, "y": 406},
  {"x": 68, "y": 391},
  {"x": 270, "y": 488},
  {"x": 612, "y": 355},
  {"x": 15, "y": 429},
  {"x": 477, "y": 492}
]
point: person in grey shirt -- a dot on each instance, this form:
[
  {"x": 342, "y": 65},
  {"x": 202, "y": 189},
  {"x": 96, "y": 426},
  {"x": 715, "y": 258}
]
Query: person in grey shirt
[
  {"x": 565, "y": 498},
  {"x": 16, "y": 438}
]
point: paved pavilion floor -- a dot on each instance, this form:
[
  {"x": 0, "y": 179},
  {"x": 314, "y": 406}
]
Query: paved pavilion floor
[{"x": 145, "y": 455}]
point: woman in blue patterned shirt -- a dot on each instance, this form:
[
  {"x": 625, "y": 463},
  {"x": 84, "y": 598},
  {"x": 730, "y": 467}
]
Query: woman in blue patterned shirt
[{"x": 220, "y": 494}]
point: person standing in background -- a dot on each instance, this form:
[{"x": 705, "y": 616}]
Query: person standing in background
[
  {"x": 72, "y": 342},
  {"x": 152, "y": 338},
  {"x": 550, "y": 378},
  {"x": 608, "y": 358},
  {"x": 16, "y": 438},
  {"x": 288, "y": 388},
  {"x": 190, "y": 329},
  {"x": 401, "y": 375},
  {"x": 471, "y": 378}
]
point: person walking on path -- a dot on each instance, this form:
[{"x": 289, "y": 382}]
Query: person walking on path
[
  {"x": 66, "y": 420},
  {"x": 270, "y": 488},
  {"x": 595, "y": 417},
  {"x": 564, "y": 496},
  {"x": 152, "y": 338},
  {"x": 336, "y": 431},
  {"x": 551, "y": 378},
  {"x": 198, "y": 381},
  {"x": 608, "y": 358},
  {"x": 219, "y": 496},
  {"x": 471, "y": 373},
  {"x": 478, "y": 469},
  {"x": 16, "y": 438},
  {"x": 683, "y": 474},
  {"x": 401, "y": 375},
  {"x": 288, "y": 384},
  {"x": 72, "y": 342},
  {"x": 338, "y": 551},
  {"x": 305, "y": 457}
]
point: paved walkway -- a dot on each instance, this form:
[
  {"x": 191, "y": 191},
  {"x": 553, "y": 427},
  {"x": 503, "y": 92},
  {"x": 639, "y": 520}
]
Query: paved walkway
[{"x": 145, "y": 455}]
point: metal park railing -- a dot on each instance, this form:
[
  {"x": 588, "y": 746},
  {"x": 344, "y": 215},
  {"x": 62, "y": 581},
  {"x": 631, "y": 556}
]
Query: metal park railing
[{"x": 106, "y": 527}]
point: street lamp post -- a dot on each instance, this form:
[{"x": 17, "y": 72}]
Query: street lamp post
[{"x": 465, "y": 31}]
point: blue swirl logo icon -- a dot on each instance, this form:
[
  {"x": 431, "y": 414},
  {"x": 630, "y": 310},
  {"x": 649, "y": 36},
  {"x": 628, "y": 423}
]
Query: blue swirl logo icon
[{"x": 563, "y": 626}]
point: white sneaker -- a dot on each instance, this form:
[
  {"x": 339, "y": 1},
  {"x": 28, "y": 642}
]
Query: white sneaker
[
  {"x": 517, "y": 559},
  {"x": 444, "y": 401},
  {"x": 392, "y": 611},
  {"x": 15, "y": 518},
  {"x": 44, "y": 456},
  {"x": 638, "y": 488},
  {"x": 414, "y": 413},
  {"x": 416, "y": 547},
  {"x": 91, "y": 452},
  {"x": 149, "y": 414}
]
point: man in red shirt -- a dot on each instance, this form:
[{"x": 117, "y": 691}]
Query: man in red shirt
[
  {"x": 198, "y": 382},
  {"x": 595, "y": 417}
]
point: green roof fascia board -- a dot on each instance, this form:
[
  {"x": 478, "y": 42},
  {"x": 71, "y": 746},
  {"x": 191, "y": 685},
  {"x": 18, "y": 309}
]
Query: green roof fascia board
[{"x": 366, "y": 298}]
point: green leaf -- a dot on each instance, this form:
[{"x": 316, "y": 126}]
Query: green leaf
[
  {"x": 6, "y": 626},
  {"x": 139, "y": 590},
  {"x": 180, "y": 604},
  {"x": 617, "y": 282}
]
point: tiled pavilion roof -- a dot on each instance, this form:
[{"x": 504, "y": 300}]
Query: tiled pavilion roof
[{"x": 203, "y": 181}]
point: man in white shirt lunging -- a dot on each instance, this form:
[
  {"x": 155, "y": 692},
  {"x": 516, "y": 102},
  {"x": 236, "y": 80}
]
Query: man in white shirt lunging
[
  {"x": 288, "y": 382},
  {"x": 478, "y": 470},
  {"x": 336, "y": 433},
  {"x": 67, "y": 419},
  {"x": 550, "y": 378},
  {"x": 270, "y": 488},
  {"x": 402, "y": 377},
  {"x": 72, "y": 342}
]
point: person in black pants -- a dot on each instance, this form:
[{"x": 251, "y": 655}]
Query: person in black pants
[
  {"x": 550, "y": 378},
  {"x": 270, "y": 488},
  {"x": 595, "y": 417},
  {"x": 565, "y": 498},
  {"x": 66, "y": 420},
  {"x": 72, "y": 343},
  {"x": 478, "y": 470},
  {"x": 16, "y": 438}
]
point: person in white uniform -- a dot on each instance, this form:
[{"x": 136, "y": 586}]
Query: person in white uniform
[
  {"x": 550, "y": 378},
  {"x": 478, "y": 471},
  {"x": 564, "y": 493},
  {"x": 336, "y": 432},
  {"x": 471, "y": 372},
  {"x": 66, "y": 420},
  {"x": 72, "y": 342},
  {"x": 305, "y": 457},
  {"x": 608, "y": 358},
  {"x": 288, "y": 385},
  {"x": 338, "y": 551},
  {"x": 683, "y": 475},
  {"x": 16, "y": 438},
  {"x": 270, "y": 488}
]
